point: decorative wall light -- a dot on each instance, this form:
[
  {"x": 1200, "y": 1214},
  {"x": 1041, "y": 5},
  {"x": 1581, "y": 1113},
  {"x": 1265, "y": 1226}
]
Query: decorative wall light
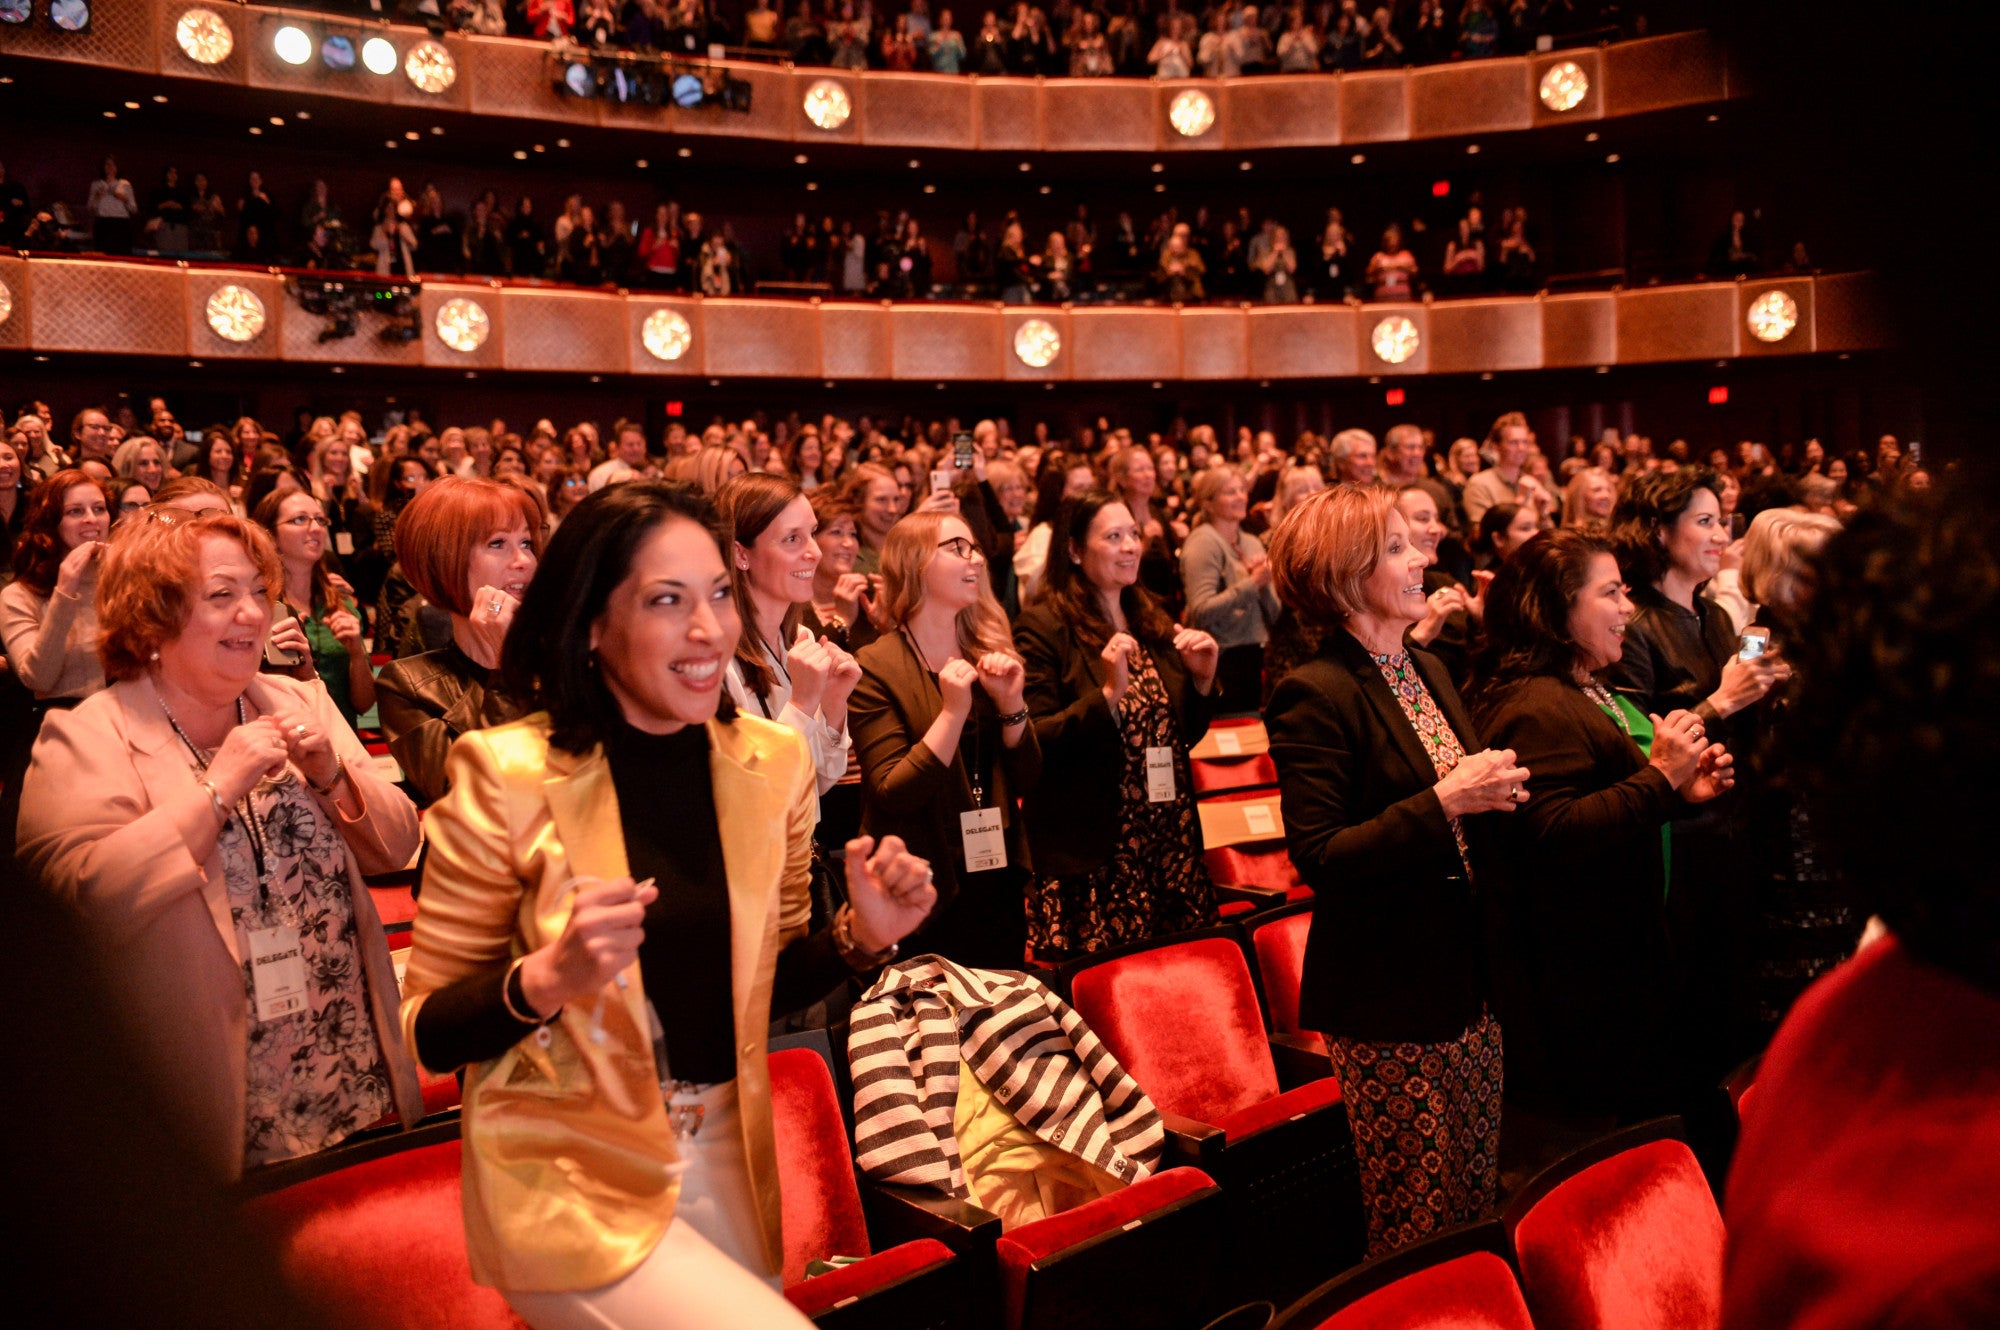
[
  {"x": 828, "y": 105},
  {"x": 1564, "y": 86},
  {"x": 1191, "y": 113},
  {"x": 292, "y": 44},
  {"x": 430, "y": 67},
  {"x": 666, "y": 334},
  {"x": 337, "y": 53},
  {"x": 235, "y": 313},
  {"x": 462, "y": 324},
  {"x": 6, "y": 303},
  {"x": 1037, "y": 343},
  {"x": 204, "y": 36},
  {"x": 378, "y": 55},
  {"x": 1395, "y": 339},
  {"x": 1772, "y": 316}
]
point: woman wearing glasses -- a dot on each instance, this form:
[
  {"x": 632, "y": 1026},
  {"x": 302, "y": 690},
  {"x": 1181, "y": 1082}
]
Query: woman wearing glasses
[
  {"x": 941, "y": 728},
  {"x": 325, "y": 638}
]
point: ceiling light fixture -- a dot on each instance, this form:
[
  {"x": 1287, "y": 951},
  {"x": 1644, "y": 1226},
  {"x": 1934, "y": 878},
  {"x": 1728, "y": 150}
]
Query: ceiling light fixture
[
  {"x": 204, "y": 36},
  {"x": 292, "y": 44},
  {"x": 1037, "y": 343},
  {"x": 1772, "y": 316},
  {"x": 827, "y": 104},
  {"x": 1191, "y": 113},
  {"x": 378, "y": 55},
  {"x": 1394, "y": 339},
  {"x": 1564, "y": 86},
  {"x": 463, "y": 325},
  {"x": 667, "y": 334},
  {"x": 430, "y": 66}
]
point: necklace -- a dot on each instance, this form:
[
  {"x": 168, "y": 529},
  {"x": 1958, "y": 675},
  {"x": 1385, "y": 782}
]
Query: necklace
[
  {"x": 1601, "y": 695},
  {"x": 246, "y": 812}
]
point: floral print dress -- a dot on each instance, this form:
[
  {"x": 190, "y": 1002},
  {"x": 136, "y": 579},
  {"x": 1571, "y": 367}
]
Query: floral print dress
[
  {"x": 316, "y": 1076},
  {"x": 1155, "y": 882}
]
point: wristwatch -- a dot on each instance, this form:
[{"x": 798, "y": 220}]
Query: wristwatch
[{"x": 858, "y": 958}]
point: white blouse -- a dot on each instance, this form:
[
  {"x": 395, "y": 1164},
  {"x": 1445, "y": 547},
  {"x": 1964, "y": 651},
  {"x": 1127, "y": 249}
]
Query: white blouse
[{"x": 829, "y": 746}]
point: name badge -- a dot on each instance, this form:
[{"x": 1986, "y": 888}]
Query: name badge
[
  {"x": 1228, "y": 743},
  {"x": 985, "y": 842},
  {"x": 343, "y": 542},
  {"x": 277, "y": 972},
  {"x": 1160, "y": 775},
  {"x": 1258, "y": 818}
]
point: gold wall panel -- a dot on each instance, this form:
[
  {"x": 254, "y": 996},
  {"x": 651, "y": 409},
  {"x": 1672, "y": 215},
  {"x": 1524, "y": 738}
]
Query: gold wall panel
[
  {"x": 1479, "y": 335},
  {"x": 203, "y": 344},
  {"x": 637, "y": 309},
  {"x": 1579, "y": 330},
  {"x": 1851, "y": 312},
  {"x": 855, "y": 341},
  {"x": 512, "y": 78},
  {"x": 173, "y": 61},
  {"x": 492, "y": 354},
  {"x": 920, "y": 111},
  {"x": 1800, "y": 341},
  {"x": 1170, "y": 139},
  {"x": 1101, "y": 114},
  {"x": 1684, "y": 69},
  {"x": 1677, "y": 323},
  {"x": 1473, "y": 97},
  {"x": 1590, "y": 60},
  {"x": 1279, "y": 111},
  {"x": 1302, "y": 342},
  {"x": 108, "y": 308},
  {"x": 1010, "y": 113},
  {"x": 1374, "y": 107},
  {"x": 581, "y": 331},
  {"x": 804, "y": 130},
  {"x": 1215, "y": 342},
  {"x": 761, "y": 338},
  {"x": 16, "y": 333},
  {"x": 945, "y": 342},
  {"x": 1060, "y": 367},
  {"x": 1133, "y": 344},
  {"x": 122, "y": 35}
]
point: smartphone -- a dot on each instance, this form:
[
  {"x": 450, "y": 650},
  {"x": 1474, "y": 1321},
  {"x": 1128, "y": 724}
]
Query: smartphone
[
  {"x": 1754, "y": 643},
  {"x": 961, "y": 450},
  {"x": 272, "y": 654},
  {"x": 941, "y": 481}
]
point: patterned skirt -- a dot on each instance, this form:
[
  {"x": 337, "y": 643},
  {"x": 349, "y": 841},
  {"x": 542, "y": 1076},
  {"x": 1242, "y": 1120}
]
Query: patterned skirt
[{"x": 1426, "y": 1122}]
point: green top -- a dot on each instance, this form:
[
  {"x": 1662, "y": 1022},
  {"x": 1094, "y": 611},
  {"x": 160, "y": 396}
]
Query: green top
[
  {"x": 1635, "y": 723},
  {"x": 330, "y": 657}
]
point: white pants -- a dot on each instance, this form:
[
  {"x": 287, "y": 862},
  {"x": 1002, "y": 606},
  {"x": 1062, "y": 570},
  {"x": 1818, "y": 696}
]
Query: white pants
[{"x": 706, "y": 1271}]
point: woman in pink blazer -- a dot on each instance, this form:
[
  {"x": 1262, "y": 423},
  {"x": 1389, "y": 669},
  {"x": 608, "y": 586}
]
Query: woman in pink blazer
[{"x": 210, "y": 825}]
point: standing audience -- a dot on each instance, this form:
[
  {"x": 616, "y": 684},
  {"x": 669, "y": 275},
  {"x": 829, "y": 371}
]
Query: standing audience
[{"x": 1227, "y": 582}]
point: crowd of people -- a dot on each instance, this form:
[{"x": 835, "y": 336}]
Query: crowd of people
[{"x": 1521, "y": 700}]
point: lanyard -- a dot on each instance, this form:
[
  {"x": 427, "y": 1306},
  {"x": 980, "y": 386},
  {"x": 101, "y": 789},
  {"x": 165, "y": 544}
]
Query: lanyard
[
  {"x": 978, "y": 794},
  {"x": 245, "y": 811}
]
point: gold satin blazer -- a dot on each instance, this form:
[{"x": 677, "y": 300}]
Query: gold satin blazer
[{"x": 570, "y": 1168}]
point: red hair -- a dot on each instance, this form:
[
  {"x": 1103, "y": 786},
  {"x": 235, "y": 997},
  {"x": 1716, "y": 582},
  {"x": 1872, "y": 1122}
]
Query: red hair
[
  {"x": 437, "y": 530},
  {"x": 39, "y": 555},
  {"x": 146, "y": 588}
]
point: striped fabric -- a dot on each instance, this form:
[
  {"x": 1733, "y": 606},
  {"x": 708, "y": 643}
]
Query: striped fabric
[{"x": 1030, "y": 1050}]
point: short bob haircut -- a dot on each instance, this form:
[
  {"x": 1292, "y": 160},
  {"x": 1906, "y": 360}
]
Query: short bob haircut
[
  {"x": 1327, "y": 548},
  {"x": 547, "y": 660},
  {"x": 436, "y": 531},
  {"x": 147, "y": 586},
  {"x": 1647, "y": 507},
  {"x": 39, "y": 555},
  {"x": 1528, "y": 608},
  {"x": 1776, "y": 549}
]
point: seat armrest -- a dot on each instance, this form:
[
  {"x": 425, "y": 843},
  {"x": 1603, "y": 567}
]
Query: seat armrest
[
  {"x": 1260, "y": 898},
  {"x": 1191, "y": 1143},
  {"x": 898, "y": 1214},
  {"x": 1300, "y": 1060}
]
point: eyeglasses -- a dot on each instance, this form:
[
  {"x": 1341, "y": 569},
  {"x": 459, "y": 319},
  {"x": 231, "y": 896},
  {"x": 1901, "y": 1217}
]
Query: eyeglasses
[
  {"x": 962, "y": 548},
  {"x": 306, "y": 521}
]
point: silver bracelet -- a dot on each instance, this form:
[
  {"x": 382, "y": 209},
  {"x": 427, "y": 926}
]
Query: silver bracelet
[{"x": 215, "y": 798}]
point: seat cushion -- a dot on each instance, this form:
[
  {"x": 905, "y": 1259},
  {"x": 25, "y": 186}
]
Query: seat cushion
[
  {"x": 1267, "y": 866},
  {"x": 1281, "y": 959},
  {"x": 1184, "y": 1021},
  {"x": 821, "y": 1203},
  {"x": 1019, "y": 1249},
  {"x": 1475, "y": 1292},
  {"x": 827, "y": 1291},
  {"x": 1211, "y": 776},
  {"x": 1308, "y": 1098},
  {"x": 1633, "y": 1242}
]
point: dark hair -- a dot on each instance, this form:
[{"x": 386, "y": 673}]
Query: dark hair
[
  {"x": 1065, "y": 589},
  {"x": 1649, "y": 504},
  {"x": 748, "y": 504},
  {"x": 1492, "y": 524},
  {"x": 1050, "y": 478},
  {"x": 39, "y": 555},
  {"x": 547, "y": 659},
  {"x": 264, "y": 479},
  {"x": 1895, "y": 715},
  {"x": 1527, "y": 613}
]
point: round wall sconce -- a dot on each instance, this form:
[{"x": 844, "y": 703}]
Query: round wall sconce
[
  {"x": 378, "y": 55},
  {"x": 1191, "y": 113},
  {"x": 235, "y": 314},
  {"x": 1395, "y": 339},
  {"x": 204, "y": 36},
  {"x": 462, "y": 324},
  {"x": 667, "y": 334},
  {"x": 1772, "y": 316},
  {"x": 1564, "y": 86},
  {"x": 6, "y": 303},
  {"x": 828, "y": 105},
  {"x": 292, "y": 44},
  {"x": 430, "y": 67},
  {"x": 1037, "y": 343}
]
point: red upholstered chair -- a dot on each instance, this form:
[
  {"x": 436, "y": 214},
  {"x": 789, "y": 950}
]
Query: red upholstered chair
[
  {"x": 395, "y": 903},
  {"x": 1622, "y": 1235},
  {"x": 1458, "y": 1279},
  {"x": 916, "y": 1283},
  {"x": 1145, "y": 1258},
  {"x": 1184, "y": 1020},
  {"x": 1278, "y": 940},
  {"x": 1212, "y": 776},
  {"x": 1260, "y": 872},
  {"x": 374, "y": 1236}
]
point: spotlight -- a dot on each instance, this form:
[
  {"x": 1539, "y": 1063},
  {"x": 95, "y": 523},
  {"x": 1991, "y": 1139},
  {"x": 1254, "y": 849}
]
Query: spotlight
[
  {"x": 579, "y": 80},
  {"x": 378, "y": 55},
  {"x": 688, "y": 91},
  {"x": 204, "y": 37},
  {"x": 70, "y": 15},
  {"x": 337, "y": 54},
  {"x": 292, "y": 44},
  {"x": 6, "y": 303},
  {"x": 16, "y": 11}
]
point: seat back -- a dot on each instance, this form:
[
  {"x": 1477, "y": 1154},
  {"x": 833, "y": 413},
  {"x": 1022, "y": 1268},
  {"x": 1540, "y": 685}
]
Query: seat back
[
  {"x": 1473, "y": 1292},
  {"x": 822, "y": 1202},
  {"x": 380, "y": 1245},
  {"x": 1630, "y": 1239},
  {"x": 1281, "y": 962},
  {"x": 1257, "y": 772},
  {"x": 1184, "y": 1021}
]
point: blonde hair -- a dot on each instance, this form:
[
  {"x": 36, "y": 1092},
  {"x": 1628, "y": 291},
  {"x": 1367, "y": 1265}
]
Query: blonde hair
[
  {"x": 906, "y": 556},
  {"x": 1573, "y": 515},
  {"x": 1207, "y": 485},
  {"x": 1294, "y": 487},
  {"x": 1325, "y": 551},
  {"x": 1776, "y": 549}
]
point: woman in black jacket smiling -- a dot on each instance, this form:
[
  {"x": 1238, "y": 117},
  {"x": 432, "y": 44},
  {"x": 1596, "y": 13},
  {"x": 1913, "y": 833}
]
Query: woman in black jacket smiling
[
  {"x": 1380, "y": 771},
  {"x": 1118, "y": 693}
]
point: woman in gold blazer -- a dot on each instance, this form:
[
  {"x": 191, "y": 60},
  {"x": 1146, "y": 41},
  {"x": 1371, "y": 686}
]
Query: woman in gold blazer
[{"x": 620, "y": 1166}]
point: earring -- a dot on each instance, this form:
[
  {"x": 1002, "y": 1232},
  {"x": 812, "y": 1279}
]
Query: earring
[{"x": 156, "y": 655}]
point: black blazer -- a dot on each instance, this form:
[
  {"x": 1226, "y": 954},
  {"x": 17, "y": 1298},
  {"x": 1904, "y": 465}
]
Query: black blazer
[
  {"x": 1396, "y": 950},
  {"x": 1073, "y": 814},
  {"x": 1584, "y": 963}
]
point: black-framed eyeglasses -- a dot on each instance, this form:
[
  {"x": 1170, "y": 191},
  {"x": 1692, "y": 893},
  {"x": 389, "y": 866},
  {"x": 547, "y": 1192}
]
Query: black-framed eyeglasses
[
  {"x": 963, "y": 548},
  {"x": 306, "y": 521}
]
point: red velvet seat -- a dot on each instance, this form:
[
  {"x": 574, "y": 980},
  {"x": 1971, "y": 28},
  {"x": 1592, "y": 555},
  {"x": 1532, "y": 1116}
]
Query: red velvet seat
[
  {"x": 396, "y": 904},
  {"x": 1623, "y": 1235},
  {"x": 1280, "y": 946},
  {"x": 823, "y": 1215},
  {"x": 1142, "y": 1257},
  {"x": 1257, "y": 772},
  {"x": 1458, "y": 1280},
  {"x": 380, "y": 1245}
]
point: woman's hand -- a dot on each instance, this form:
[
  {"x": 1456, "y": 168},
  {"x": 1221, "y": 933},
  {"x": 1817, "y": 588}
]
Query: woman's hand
[
  {"x": 849, "y": 591},
  {"x": 309, "y": 747},
  {"x": 1117, "y": 658},
  {"x": 1678, "y": 743},
  {"x": 492, "y": 615},
  {"x": 1005, "y": 680},
  {"x": 889, "y": 889},
  {"x": 1714, "y": 774},
  {"x": 1744, "y": 683},
  {"x": 1200, "y": 654},
  {"x": 249, "y": 753},
  {"x": 346, "y": 630},
  {"x": 1475, "y": 604},
  {"x": 78, "y": 571},
  {"x": 840, "y": 681},
  {"x": 939, "y": 501},
  {"x": 809, "y": 665},
  {"x": 1438, "y": 608},
  {"x": 1489, "y": 781},
  {"x": 955, "y": 683},
  {"x": 1259, "y": 567},
  {"x": 290, "y": 638},
  {"x": 606, "y": 925}
]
